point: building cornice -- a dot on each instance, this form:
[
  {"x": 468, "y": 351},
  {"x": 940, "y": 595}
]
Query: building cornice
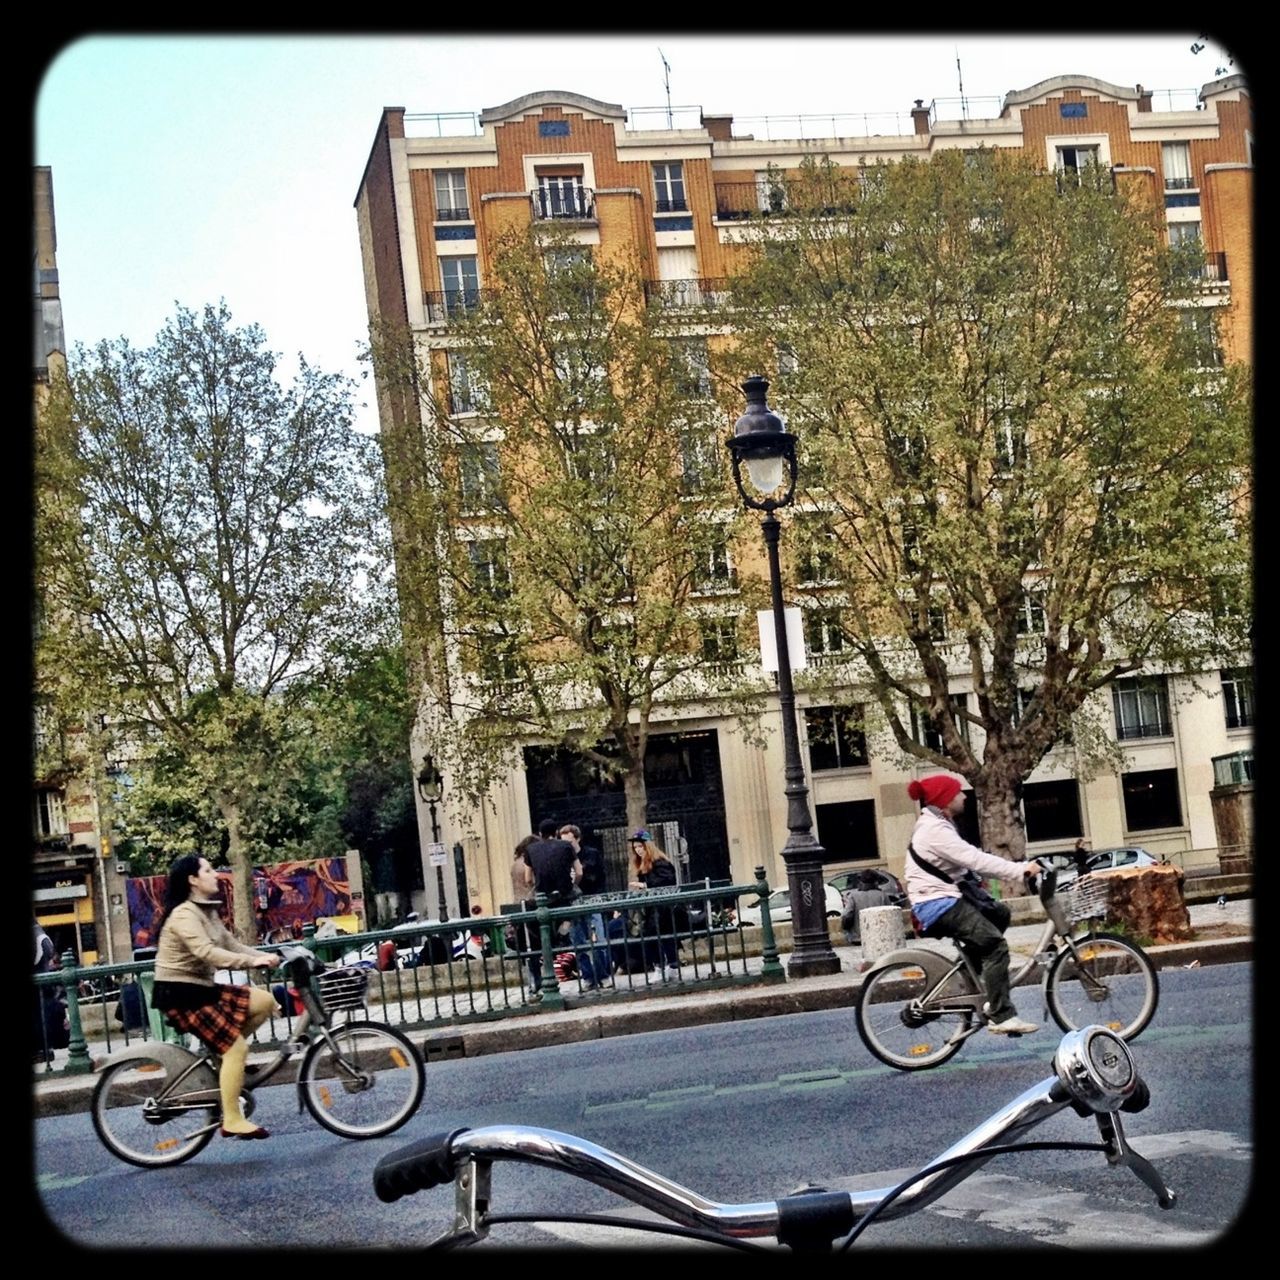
[{"x": 552, "y": 98}]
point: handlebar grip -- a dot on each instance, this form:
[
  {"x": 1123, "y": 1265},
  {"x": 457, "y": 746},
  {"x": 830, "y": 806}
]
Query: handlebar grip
[
  {"x": 417, "y": 1167},
  {"x": 1139, "y": 1099}
]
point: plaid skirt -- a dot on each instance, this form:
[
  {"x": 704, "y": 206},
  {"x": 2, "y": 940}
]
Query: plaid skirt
[{"x": 217, "y": 1024}]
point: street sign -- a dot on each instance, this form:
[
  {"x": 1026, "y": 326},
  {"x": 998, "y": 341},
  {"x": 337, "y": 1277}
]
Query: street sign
[{"x": 437, "y": 854}]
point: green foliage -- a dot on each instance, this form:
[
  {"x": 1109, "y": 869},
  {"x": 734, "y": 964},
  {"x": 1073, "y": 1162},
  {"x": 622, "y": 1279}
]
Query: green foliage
[{"x": 1029, "y": 476}]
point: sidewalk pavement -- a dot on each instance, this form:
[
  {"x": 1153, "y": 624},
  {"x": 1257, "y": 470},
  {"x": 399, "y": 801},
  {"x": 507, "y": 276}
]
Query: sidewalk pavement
[{"x": 588, "y": 1017}]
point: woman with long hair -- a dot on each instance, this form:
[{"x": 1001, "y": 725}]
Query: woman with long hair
[
  {"x": 652, "y": 869},
  {"x": 193, "y": 944}
]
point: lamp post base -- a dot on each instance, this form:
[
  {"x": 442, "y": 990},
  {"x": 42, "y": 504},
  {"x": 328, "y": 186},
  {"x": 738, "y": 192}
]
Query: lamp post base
[{"x": 811, "y": 953}]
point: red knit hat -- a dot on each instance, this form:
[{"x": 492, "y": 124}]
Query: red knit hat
[{"x": 938, "y": 789}]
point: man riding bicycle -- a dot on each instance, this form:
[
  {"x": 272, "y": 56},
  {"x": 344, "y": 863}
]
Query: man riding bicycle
[{"x": 939, "y": 856}]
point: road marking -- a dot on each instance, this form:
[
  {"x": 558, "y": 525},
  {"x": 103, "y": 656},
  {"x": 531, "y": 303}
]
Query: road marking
[{"x": 56, "y": 1181}]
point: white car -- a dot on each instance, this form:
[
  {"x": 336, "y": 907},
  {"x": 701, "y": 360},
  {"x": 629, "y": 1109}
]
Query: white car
[
  {"x": 1102, "y": 860},
  {"x": 780, "y": 906}
]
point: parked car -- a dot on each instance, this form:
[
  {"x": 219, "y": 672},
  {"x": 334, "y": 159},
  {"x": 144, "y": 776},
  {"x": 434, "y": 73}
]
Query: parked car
[
  {"x": 780, "y": 907},
  {"x": 1101, "y": 860},
  {"x": 879, "y": 879}
]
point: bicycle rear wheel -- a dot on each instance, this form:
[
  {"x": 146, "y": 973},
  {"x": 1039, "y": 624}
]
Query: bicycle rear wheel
[
  {"x": 367, "y": 1085},
  {"x": 145, "y": 1116},
  {"x": 901, "y": 1021},
  {"x": 1112, "y": 984}
]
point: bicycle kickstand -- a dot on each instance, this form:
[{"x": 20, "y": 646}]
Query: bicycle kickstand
[{"x": 1119, "y": 1152}]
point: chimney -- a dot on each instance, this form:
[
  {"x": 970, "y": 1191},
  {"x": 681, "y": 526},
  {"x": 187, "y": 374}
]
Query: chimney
[
  {"x": 719, "y": 127},
  {"x": 1144, "y": 99},
  {"x": 920, "y": 116}
]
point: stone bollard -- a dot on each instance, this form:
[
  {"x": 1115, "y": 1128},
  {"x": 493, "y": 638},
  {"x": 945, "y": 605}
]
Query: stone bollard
[{"x": 882, "y": 931}]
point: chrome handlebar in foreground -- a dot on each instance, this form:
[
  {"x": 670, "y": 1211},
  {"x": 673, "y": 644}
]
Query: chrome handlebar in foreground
[{"x": 1093, "y": 1073}]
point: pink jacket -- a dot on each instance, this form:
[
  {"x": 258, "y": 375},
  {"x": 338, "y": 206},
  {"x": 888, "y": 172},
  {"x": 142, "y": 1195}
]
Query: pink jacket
[{"x": 937, "y": 841}]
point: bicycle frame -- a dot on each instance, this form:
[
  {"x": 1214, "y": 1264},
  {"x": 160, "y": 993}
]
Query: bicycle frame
[{"x": 1093, "y": 1073}]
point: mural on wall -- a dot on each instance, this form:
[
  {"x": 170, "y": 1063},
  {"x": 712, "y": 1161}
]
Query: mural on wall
[{"x": 287, "y": 895}]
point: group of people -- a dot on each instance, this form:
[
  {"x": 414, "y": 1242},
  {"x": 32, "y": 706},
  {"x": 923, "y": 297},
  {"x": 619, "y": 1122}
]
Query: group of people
[{"x": 558, "y": 864}]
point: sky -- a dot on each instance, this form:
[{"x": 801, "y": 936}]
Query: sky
[{"x": 193, "y": 169}]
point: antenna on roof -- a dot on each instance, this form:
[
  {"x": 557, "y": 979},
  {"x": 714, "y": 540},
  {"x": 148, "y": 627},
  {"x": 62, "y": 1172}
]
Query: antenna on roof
[
  {"x": 964, "y": 106},
  {"x": 666, "y": 76}
]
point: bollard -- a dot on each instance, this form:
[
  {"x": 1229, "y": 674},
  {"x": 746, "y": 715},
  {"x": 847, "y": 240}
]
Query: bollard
[{"x": 882, "y": 931}]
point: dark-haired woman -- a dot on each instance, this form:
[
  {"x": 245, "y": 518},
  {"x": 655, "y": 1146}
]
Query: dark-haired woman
[{"x": 194, "y": 943}]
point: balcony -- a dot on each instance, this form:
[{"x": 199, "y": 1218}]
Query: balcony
[
  {"x": 1233, "y": 770},
  {"x": 563, "y": 203},
  {"x": 442, "y": 307},
  {"x": 675, "y": 204},
  {"x": 461, "y": 213},
  {"x": 685, "y": 295}
]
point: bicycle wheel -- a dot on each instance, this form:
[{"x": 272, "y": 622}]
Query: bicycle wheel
[
  {"x": 368, "y": 1084},
  {"x": 1113, "y": 984},
  {"x": 137, "y": 1121},
  {"x": 901, "y": 1019}
]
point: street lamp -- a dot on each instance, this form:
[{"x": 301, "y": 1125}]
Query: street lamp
[
  {"x": 431, "y": 788},
  {"x": 760, "y": 442}
]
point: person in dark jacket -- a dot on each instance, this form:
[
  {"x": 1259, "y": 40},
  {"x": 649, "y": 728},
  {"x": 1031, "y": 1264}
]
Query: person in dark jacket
[
  {"x": 591, "y": 881},
  {"x": 652, "y": 869}
]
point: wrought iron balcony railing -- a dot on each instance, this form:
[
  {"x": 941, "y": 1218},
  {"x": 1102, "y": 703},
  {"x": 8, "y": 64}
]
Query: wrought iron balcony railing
[
  {"x": 681, "y": 295},
  {"x": 441, "y": 307},
  {"x": 566, "y": 202},
  {"x": 460, "y": 213}
]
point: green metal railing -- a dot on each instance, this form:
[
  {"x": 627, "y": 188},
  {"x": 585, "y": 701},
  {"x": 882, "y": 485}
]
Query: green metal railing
[{"x": 696, "y": 924}]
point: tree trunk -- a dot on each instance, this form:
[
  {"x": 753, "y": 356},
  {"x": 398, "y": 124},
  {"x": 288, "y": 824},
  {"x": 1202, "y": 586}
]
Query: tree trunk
[
  {"x": 637, "y": 795},
  {"x": 999, "y": 794},
  {"x": 241, "y": 873}
]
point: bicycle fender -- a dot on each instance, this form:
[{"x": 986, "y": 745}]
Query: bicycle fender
[
  {"x": 173, "y": 1057},
  {"x": 935, "y": 966}
]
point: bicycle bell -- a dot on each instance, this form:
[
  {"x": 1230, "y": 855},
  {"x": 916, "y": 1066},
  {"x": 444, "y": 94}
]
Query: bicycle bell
[{"x": 1096, "y": 1067}]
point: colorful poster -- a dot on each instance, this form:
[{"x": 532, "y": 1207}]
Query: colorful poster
[{"x": 286, "y": 896}]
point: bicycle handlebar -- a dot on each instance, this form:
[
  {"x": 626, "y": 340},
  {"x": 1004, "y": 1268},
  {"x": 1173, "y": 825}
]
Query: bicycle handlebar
[{"x": 1094, "y": 1073}]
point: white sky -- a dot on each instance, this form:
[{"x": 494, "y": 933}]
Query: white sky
[{"x": 189, "y": 169}]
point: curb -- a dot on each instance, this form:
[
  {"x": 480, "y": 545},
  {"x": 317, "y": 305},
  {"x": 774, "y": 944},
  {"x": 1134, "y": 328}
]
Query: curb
[{"x": 579, "y": 1022}]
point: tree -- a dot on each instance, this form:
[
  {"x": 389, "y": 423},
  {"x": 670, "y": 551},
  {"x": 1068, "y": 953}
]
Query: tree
[
  {"x": 220, "y": 551},
  {"x": 1028, "y": 476},
  {"x": 565, "y": 497}
]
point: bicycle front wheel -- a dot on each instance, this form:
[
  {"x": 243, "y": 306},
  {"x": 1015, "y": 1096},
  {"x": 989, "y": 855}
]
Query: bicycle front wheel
[
  {"x": 147, "y": 1117},
  {"x": 1108, "y": 982},
  {"x": 906, "y": 1023},
  {"x": 365, "y": 1081}
]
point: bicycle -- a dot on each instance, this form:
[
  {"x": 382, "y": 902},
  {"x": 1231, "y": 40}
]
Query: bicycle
[
  {"x": 157, "y": 1103},
  {"x": 917, "y": 1006},
  {"x": 1093, "y": 1073}
]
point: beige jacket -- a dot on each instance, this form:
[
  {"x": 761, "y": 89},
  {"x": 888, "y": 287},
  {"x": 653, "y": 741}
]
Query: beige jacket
[{"x": 194, "y": 943}]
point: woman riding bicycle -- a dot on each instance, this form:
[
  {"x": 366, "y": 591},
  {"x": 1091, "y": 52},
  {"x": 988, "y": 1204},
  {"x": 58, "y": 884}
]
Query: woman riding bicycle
[
  {"x": 938, "y": 904},
  {"x": 193, "y": 944}
]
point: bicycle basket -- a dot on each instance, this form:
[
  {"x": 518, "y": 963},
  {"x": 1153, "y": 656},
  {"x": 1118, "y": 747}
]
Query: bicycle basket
[
  {"x": 343, "y": 988},
  {"x": 1086, "y": 899}
]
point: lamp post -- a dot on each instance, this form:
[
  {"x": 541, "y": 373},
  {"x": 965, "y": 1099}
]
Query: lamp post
[
  {"x": 769, "y": 452},
  {"x": 431, "y": 788}
]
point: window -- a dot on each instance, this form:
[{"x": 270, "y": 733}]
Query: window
[
  {"x": 701, "y": 459},
  {"x": 1031, "y": 614},
  {"x": 1200, "y": 329},
  {"x": 690, "y": 371},
  {"x": 1151, "y": 800},
  {"x": 836, "y": 738},
  {"x": 1011, "y": 442},
  {"x": 924, "y": 730},
  {"x": 466, "y": 393},
  {"x": 823, "y": 636},
  {"x": 1074, "y": 160},
  {"x": 937, "y": 619},
  {"x": 1052, "y": 810},
  {"x": 461, "y": 284},
  {"x": 771, "y": 192},
  {"x": 49, "y": 818},
  {"x": 1237, "y": 697},
  {"x": 562, "y": 195},
  {"x": 1176, "y": 158},
  {"x": 451, "y": 196},
  {"x": 719, "y": 641},
  {"x": 585, "y": 454},
  {"x": 715, "y": 573},
  {"x": 490, "y": 570},
  {"x": 480, "y": 474},
  {"x": 1183, "y": 233},
  {"x": 816, "y": 551},
  {"x": 847, "y": 831},
  {"x": 788, "y": 361},
  {"x": 1142, "y": 707},
  {"x": 668, "y": 187},
  {"x": 496, "y": 659},
  {"x": 577, "y": 371}
]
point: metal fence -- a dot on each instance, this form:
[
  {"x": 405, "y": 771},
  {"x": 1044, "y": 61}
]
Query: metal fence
[{"x": 658, "y": 941}]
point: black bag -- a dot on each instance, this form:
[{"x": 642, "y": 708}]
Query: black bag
[{"x": 972, "y": 891}]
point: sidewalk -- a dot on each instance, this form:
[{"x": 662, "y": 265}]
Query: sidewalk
[{"x": 591, "y": 1018}]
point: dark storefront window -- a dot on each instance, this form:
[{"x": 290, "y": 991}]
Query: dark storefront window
[
  {"x": 1151, "y": 800},
  {"x": 847, "y": 831},
  {"x": 1052, "y": 810}
]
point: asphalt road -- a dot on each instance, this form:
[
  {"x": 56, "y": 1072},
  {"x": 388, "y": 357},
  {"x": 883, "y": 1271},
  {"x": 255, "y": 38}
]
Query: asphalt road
[{"x": 738, "y": 1112}]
